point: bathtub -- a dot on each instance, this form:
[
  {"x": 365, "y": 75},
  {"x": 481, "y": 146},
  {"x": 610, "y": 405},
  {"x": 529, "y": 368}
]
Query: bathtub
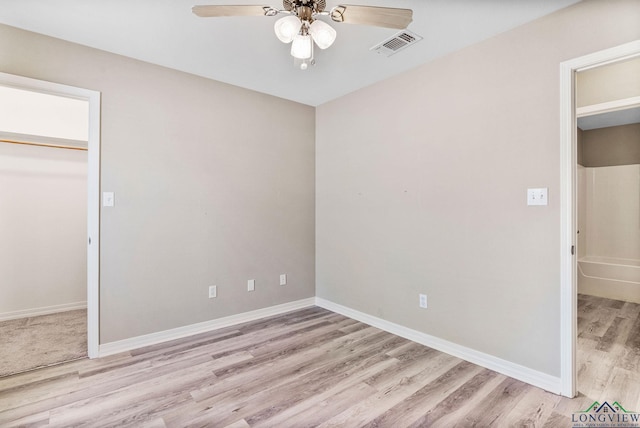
[{"x": 617, "y": 279}]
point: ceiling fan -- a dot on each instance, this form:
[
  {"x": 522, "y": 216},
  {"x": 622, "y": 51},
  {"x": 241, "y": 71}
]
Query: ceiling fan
[{"x": 302, "y": 28}]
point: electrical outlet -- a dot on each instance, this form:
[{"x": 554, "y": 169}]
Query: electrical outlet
[
  {"x": 283, "y": 279},
  {"x": 213, "y": 291},
  {"x": 251, "y": 285},
  {"x": 423, "y": 300}
]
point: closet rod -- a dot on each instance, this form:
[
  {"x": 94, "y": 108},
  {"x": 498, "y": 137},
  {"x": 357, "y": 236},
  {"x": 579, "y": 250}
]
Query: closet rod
[{"x": 29, "y": 143}]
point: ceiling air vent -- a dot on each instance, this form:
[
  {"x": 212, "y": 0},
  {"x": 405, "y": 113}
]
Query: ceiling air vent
[{"x": 396, "y": 43}]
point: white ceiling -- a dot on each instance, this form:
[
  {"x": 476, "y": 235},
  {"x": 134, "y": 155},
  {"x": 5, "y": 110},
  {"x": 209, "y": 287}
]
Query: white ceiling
[{"x": 244, "y": 51}]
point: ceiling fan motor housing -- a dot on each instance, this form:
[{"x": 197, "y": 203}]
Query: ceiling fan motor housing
[{"x": 315, "y": 6}]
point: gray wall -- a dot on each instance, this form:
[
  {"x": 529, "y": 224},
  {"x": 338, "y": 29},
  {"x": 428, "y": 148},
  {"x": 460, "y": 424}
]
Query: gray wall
[
  {"x": 209, "y": 190},
  {"x": 608, "y": 83},
  {"x": 615, "y": 145},
  {"x": 421, "y": 188},
  {"x": 43, "y": 229}
]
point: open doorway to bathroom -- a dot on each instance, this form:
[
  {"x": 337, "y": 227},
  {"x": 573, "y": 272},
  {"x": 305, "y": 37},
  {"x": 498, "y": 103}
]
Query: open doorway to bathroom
[
  {"x": 49, "y": 136},
  {"x": 608, "y": 230},
  {"x": 571, "y": 246}
]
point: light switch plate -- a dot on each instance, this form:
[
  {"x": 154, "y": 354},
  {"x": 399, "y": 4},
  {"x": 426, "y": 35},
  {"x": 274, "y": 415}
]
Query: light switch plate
[
  {"x": 537, "y": 196},
  {"x": 108, "y": 199},
  {"x": 251, "y": 285},
  {"x": 283, "y": 279},
  {"x": 423, "y": 300}
]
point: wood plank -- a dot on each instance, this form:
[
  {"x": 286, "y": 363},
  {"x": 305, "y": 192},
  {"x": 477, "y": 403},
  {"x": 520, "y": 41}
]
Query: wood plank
[
  {"x": 315, "y": 368},
  {"x": 633, "y": 341},
  {"x": 557, "y": 420},
  {"x": 533, "y": 410},
  {"x": 308, "y": 360},
  {"x": 499, "y": 401},
  {"x": 611, "y": 336},
  {"x": 598, "y": 321},
  {"x": 251, "y": 397},
  {"x": 330, "y": 401},
  {"x": 461, "y": 401},
  {"x": 629, "y": 310},
  {"x": 269, "y": 399},
  {"x": 35, "y": 420},
  {"x": 133, "y": 404},
  {"x": 389, "y": 395},
  {"x": 86, "y": 390},
  {"x": 413, "y": 408},
  {"x": 623, "y": 388}
]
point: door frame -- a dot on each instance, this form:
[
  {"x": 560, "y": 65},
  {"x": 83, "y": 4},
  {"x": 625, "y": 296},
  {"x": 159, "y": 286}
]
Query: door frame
[
  {"x": 568, "y": 212},
  {"x": 93, "y": 191}
]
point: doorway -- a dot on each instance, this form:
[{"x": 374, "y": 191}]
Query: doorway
[
  {"x": 568, "y": 209},
  {"x": 92, "y": 190}
]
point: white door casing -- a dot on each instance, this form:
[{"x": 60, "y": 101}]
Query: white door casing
[
  {"x": 568, "y": 217},
  {"x": 93, "y": 190}
]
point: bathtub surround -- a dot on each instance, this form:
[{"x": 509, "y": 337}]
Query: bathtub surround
[
  {"x": 612, "y": 278},
  {"x": 613, "y": 212},
  {"x": 609, "y": 212},
  {"x": 609, "y": 239},
  {"x": 581, "y": 206}
]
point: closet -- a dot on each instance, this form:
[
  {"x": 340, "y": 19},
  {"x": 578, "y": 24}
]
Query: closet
[{"x": 43, "y": 220}]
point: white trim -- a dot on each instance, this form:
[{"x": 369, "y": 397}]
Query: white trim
[
  {"x": 45, "y": 310},
  {"x": 203, "y": 327},
  {"x": 607, "y": 107},
  {"x": 568, "y": 293},
  {"x": 568, "y": 156},
  {"x": 39, "y": 139},
  {"x": 516, "y": 371},
  {"x": 93, "y": 226},
  {"x": 93, "y": 190}
]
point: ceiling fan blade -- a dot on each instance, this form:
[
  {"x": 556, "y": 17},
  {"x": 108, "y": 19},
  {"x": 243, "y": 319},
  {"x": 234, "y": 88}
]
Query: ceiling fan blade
[
  {"x": 388, "y": 17},
  {"x": 207, "y": 11}
]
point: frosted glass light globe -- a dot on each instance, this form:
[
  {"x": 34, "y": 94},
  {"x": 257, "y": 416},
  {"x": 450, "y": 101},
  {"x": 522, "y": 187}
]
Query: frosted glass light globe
[
  {"x": 301, "y": 47},
  {"x": 323, "y": 34},
  {"x": 287, "y": 28}
]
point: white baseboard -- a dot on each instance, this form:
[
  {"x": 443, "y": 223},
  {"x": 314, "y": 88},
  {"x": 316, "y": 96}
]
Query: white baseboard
[
  {"x": 46, "y": 310},
  {"x": 516, "y": 371},
  {"x": 203, "y": 327}
]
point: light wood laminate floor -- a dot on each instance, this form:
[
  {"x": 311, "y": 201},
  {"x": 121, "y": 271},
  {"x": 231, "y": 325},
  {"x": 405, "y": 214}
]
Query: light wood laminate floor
[{"x": 313, "y": 368}]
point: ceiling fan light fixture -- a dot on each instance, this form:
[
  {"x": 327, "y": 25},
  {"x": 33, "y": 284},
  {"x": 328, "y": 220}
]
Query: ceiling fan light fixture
[
  {"x": 287, "y": 28},
  {"x": 322, "y": 33},
  {"x": 301, "y": 46},
  {"x": 301, "y": 26}
]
